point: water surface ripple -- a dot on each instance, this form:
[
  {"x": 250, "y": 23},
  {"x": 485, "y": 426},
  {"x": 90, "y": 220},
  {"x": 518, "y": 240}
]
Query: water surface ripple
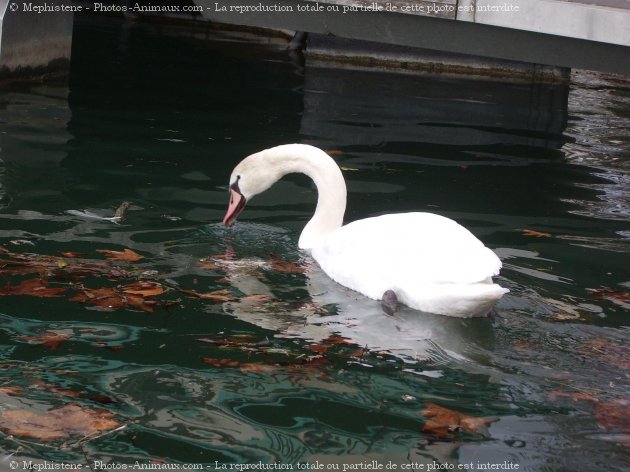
[{"x": 246, "y": 351}]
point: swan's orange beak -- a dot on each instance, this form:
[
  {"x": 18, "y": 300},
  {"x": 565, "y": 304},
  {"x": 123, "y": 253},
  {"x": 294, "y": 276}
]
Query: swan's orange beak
[{"x": 235, "y": 207}]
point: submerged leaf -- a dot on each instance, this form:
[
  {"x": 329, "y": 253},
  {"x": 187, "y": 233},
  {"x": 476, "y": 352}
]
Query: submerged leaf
[
  {"x": 49, "y": 339},
  {"x": 442, "y": 421},
  {"x": 254, "y": 368},
  {"x": 536, "y": 234},
  {"x": 127, "y": 255},
  {"x": 608, "y": 352},
  {"x": 256, "y": 298},
  {"x": 320, "y": 349},
  {"x": 104, "y": 399},
  {"x": 286, "y": 266},
  {"x": 621, "y": 298},
  {"x": 575, "y": 396},
  {"x": 220, "y": 362},
  {"x": 109, "y": 299},
  {"x": 144, "y": 289},
  {"x": 10, "y": 390},
  {"x": 220, "y": 296},
  {"x": 72, "y": 255},
  {"x": 57, "y": 423},
  {"x": 32, "y": 287},
  {"x": 614, "y": 415},
  {"x": 208, "y": 264}
]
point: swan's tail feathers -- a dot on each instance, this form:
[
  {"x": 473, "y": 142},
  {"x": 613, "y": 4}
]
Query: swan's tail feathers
[{"x": 461, "y": 300}]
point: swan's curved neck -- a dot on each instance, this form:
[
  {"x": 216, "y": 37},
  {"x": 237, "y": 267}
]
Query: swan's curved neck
[{"x": 331, "y": 188}]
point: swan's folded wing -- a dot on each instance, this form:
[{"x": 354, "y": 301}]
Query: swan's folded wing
[{"x": 420, "y": 247}]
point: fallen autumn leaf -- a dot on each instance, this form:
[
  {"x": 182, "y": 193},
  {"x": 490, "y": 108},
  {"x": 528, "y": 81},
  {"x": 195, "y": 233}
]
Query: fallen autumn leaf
[
  {"x": 536, "y": 234},
  {"x": 49, "y": 339},
  {"x": 57, "y": 423},
  {"x": 143, "y": 289},
  {"x": 442, "y": 421},
  {"x": 32, "y": 287},
  {"x": 220, "y": 296},
  {"x": 127, "y": 255}
]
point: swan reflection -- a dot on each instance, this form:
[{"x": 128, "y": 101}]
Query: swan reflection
[{"x": 273, "y": 300}]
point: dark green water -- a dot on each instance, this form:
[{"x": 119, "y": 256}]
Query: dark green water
[{"x": 158, "y": 118}]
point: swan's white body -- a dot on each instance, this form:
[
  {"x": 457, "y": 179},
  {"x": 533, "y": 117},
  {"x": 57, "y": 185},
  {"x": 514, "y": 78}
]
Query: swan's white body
[{"x": 432, "y": 263}]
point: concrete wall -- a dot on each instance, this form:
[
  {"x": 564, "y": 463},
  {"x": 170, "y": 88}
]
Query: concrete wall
[
  {"x": 32, "y": 41},
  {"x": 595, "y": 20},
  {"x": 605, "y": 21},
  {"x": 464, "y": 35},
  {"x": 348, "y": 53}
]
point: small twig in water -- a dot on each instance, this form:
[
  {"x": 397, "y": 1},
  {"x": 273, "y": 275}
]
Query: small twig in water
[{"x": 91, "y": 437}]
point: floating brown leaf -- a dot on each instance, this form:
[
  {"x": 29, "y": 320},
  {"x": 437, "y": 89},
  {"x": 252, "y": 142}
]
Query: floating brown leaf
[
  {"x": 334, "y": 339},
  {"x": 143, "y": 289},
  {"x": 229, "y": 255},
  {"x": 310, "y": 362},
  {"x": 286, "y": 266},
  {"x": 621, "y": 298},
  {"x": 319, "y": 348},
  {"x": 565, "y": 315},
  {"x": 116, "y": 273},
  {"x": 536, "y": 234},
  {"x": 72, "y": 255},
  {"x": 608, "y": 352},
  {"x": 49, "y": 339},
  {"x": 104, "y": 399},
  {"x": 32, "y": 287},
  {"x": 360, "y": 352},
  {"x": 334, "y": 152},
  {"x": 62, "y": 391},
  {"x": 10, "y": 390},
  {"x": 254, "y": 368},
  {"x": 323, "y": 347},
  {"x": 127, "y": 255},
  {"x": 522, "y": 345},
  {"x": 111, "y": 347},
  {"x": 442, "y": 421},
  {"x": 57, "y": 423},
  {"x": 242, "y": 337},
  {"x": 208, "y": 264},
  {"x": 256, "y": 298},
  {"x": 214, "y": 362},
  {"x": 575, "y": 396},
  {"x": 109, "y": 299},
  {"x": 308, "y": 366},
  {"x": 614, "y": 415},
  {"x": 220, "y": 296}
]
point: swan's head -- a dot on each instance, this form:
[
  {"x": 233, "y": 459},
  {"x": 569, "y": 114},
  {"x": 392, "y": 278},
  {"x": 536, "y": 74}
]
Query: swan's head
[
  {"x": 253, "y": 175},
  {"x": 258, "y": 172}
]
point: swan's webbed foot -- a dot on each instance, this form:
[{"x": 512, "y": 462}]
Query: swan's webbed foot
[{"x": 389, "y": 302}]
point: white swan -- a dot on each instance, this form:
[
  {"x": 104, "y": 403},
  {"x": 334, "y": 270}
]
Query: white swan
[{"x": 430, "y": 262}]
